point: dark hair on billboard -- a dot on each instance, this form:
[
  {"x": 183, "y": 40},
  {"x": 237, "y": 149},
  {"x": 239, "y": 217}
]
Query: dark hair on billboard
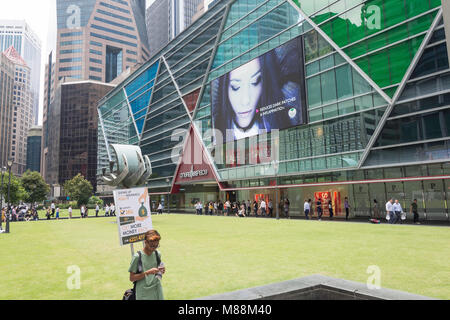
[{"x": 271, "y": 93}]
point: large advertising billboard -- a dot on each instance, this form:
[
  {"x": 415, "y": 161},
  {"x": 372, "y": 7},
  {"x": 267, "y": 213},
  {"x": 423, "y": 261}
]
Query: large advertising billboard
[{"x": 264, "y": 94}]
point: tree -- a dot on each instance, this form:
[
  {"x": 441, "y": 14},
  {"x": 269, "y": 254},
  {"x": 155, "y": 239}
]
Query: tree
[
  {"x": 16, "y": 193},
  {"x": 79, "y": 189},
  {"x": 35, "y": 186},
  {"x": 96, "y": 200}
]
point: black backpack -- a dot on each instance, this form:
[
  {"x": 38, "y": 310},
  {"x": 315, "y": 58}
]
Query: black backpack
[{"x": 131, "y": 293}]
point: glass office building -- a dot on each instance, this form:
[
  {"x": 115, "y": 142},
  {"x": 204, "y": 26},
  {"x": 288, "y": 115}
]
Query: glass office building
[{"x": 352, "y": 101}]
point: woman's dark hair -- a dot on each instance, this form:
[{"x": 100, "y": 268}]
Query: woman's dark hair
[{"x": 271, "y": 93}]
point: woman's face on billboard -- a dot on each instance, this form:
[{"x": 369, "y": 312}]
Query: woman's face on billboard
[{"x": 244, "y": 92}]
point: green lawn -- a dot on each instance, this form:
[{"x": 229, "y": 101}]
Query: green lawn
[{"x": 210, "y": 255}]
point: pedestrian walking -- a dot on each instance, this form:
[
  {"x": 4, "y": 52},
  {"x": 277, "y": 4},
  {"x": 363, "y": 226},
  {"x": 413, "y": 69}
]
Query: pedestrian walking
[
  {"x": 306, "y": 209},
  {"x": 330, "y": 209},
  {"x": 106, "y": 210},
  {"x": 53, "y": 207},
  {"x": 70, "y": 212},
  {"x": 57, "y": 213},
  {"x": 287, "y": 204},
  {"x": 113, "y": 209},
  {"x": 82, "y": 212},
  {"x": 390, "y": 215},
  {"x": 220, "y": 207},
  {"x": 97, "y": 209},
  {"x": 263, "y": 207},
  {"x": 160, "y": 208},
  {"x": 270, "y": 206},
  {"x": 347, "y": 208},
  {"x": 227, "y": 207},
  {"x": 414, "y": 210},
  {"x": 319, "y": 209}
]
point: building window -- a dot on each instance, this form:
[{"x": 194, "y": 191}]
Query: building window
[{"x": 114, "y": 63}]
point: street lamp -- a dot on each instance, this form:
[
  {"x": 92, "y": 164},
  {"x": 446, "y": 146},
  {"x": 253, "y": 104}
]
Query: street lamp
[
  {"x": 10, "y": 163},
  {"x": 3, "y": 169}
]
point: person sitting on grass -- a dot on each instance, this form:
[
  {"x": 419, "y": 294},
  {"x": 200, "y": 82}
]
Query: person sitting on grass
[
  {"x": 148, "y": 281},
  {"x": 241, "y": 213}
]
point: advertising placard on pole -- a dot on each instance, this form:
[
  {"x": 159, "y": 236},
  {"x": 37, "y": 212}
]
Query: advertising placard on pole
[{"x": 134, "y": 217}]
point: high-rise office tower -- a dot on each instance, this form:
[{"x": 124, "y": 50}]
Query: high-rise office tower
[
  {"x": 6, "y": 107},
  {"x": 22, "y": 115},
  {"x": 34, "y": 141},
  {"x": 18, "y": 33},
  {"x": 98, "y": 39},
  {"x": 202, "y": 7},
  {"x": 166, "y": 19},
  {"x": 71, "y": 144}
]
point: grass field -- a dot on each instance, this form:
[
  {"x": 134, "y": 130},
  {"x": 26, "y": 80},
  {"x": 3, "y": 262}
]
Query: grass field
[{"x": 210, "y": 255}]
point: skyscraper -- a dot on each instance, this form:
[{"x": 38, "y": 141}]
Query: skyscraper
[
  {"x": 22, "y": 115},
  {"x": 34, "y": 141},
  {"x": 98, "y": 39},
  {"x": 18, "y": 33},
  {"x": 166, "y": 19},
  {"x": 71, "y": 145},
  {"x": 6, "y": 107}
]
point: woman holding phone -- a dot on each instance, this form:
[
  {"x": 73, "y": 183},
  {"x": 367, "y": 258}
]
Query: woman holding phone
[{"x": 148, "y": 280}]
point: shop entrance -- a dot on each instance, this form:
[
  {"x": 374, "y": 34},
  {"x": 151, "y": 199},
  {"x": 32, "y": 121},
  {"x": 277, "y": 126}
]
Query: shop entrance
[{"x": 326, "y": 197}]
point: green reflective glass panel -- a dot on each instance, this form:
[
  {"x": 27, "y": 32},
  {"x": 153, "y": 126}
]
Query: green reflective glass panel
[
  {"x": 328, "y": 80},
  {"x": 314, "y": 92},
  {"x": 360, "y": 85},
  {"x": 416, "y": 7},
  {"x": 399, "y": 60},
  {"x": 379, "y": 68},
  {"x": 420, "y": 24},
  {"x": 312, "y": 68},
  {"x": 340, "y": 32},
  {"x": 377, "y": 42},
  {"x": 363, "y": 103},
  {"x": 330, "y": 111},
  {"x": 398, "y": 33},
  {"x": 315, "y": 115},
  {"x": 344, "y": 82},
  {"x": 391, "y": 91},
  {"x": 393, "y": 12},
  {"x": 327, "y": 63},
  {"x": 346, "y": 107}
]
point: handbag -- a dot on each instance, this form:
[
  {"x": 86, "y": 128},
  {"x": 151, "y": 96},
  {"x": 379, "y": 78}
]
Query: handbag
[{"x": 130, "y": 294}]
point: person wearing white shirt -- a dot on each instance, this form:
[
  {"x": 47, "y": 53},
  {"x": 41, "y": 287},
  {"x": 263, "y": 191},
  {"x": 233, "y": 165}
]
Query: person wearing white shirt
[
  {"x": 390, "y": 211},
  {"x": 306, "y": 209},
  {"x": 106, "y": 210},
  {"x": 398, "y": 211},
  {"x": 160, "y": 208},
  {"x": 263, "y": 207}
]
